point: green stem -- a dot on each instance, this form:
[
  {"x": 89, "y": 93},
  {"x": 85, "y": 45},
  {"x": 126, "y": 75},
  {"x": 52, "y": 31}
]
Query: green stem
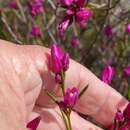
[
  {"x": 65, "y": 121},
  {"x": 69, "y": 121},
  {"x": 63, "y": 82}
]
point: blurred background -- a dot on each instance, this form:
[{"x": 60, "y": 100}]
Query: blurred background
[{"x": 104, "y": 41}]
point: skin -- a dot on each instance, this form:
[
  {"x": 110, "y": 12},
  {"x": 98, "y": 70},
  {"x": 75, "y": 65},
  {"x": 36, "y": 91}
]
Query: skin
[{"x": 24, "y": 76}]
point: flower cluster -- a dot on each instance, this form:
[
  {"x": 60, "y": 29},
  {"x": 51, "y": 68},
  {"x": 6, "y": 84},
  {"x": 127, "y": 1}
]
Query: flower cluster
[
  {"x": 76, "y": 11},
  {"x": 59, "y": 62},
  {"x": 122, "y": 119}
]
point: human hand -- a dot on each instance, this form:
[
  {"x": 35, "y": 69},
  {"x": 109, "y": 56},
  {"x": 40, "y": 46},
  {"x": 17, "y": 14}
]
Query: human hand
[{"x": 25, "y": 69}]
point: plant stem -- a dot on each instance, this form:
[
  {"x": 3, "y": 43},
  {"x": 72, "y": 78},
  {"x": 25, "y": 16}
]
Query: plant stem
[
  {"x": 69, "y": 121},
  {"x": 63, "y": 82},
  {"x": 65, "y": 121}
]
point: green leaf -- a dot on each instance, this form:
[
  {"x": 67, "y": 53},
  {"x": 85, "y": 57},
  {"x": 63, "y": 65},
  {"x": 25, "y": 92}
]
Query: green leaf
[{"x": 83, "y": 91}]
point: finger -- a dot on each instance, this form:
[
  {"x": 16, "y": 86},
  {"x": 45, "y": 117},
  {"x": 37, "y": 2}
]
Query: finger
[
  {"x": 51, "y": 119},
  {"x": 99, "y": 98},
  {"x": 19, "y": 68},
  {"x": 99, "y": 101}
]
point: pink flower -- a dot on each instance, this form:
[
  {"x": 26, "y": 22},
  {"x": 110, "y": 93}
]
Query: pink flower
[
  {"x": 66, "y": 2},
  {"x": 127, "y": 71},
  {"x": 127, "y": 112},
  {"x": 59, "y": 59},
  {"x": 71, "y": 96},
  {"x": 13, "y": 5},
  {"x": 32, "y": 125},
  {"x": 108, "y": 30},
  {"x": 64, "y": 25},
  {"x": 36, "y": 31},
  {"x": 83, "y": 15},
  {"x": 128, "y": 28},
  {"x": 36, "y": 7},
  {"x": 107, "y": 74},
  {"x": 75, "y": 11},
  {"x": 75, "y": 41}
]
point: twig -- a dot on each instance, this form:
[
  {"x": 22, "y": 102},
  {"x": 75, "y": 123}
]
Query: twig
[
  {"x": 48, "y": 30},
  {"x": 10, "y": 30},
  {"x": 22, "y": 12},
  {"x": 52, "y": 4}
]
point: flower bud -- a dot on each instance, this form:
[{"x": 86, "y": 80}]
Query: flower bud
[
  {"x": 56, "y": 57},
  {"x": 107, "y": 74},
  {"x": 64, "y": 25},
  {"x": 75, "y": 41},
  {"x": 65, "y": 61},
  {"x": 108, "y": 30},
  {"x": 59, "y": 59},
  {"x": 36, "y": 31},
  {"x": 127, "y": 71},
  {"x": 128, "y": 28},
  {"x": 13, "y": 5}
]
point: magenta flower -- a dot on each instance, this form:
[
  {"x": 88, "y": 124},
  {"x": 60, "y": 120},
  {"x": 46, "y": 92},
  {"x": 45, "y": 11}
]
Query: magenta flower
[
  {"x": 36, "y": 31},
  {"x": 64, "y": 25},
  {"x": 128, "y": 28},
  {"x": 127, "y": 71},
  {"x": 13, "y": 5},
  {"x": 108, "y": 30},
  {"x": 36, "y": 7},
  {"x": 107, "y": 74},
  {"x": 65, "y": 3},
  {"x": 127, "y": 112},
  {"x": 71, "y": 97},
  {"x": 75, "y": 41},
  {"x": 83, "y": 15},
  {"x": 59, "y": 59},
  {"x": 32, "y": 125},
  {"x": 76, "y": 11}
]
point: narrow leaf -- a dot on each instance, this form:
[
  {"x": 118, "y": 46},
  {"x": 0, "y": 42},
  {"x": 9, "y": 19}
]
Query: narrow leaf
[
  {"x": 83, "y": 91},
  {"x": 51, "y": 95}
]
